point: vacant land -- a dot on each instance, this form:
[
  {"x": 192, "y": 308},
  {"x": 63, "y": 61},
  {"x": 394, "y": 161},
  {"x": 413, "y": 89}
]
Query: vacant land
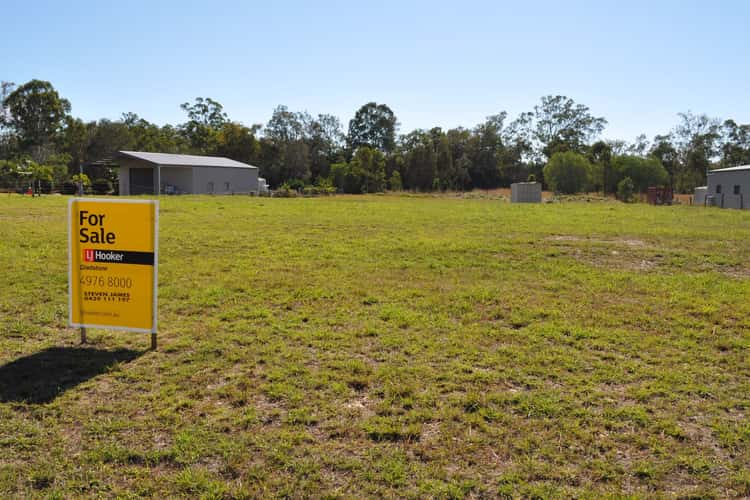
[{"x": 388, "y": 346}]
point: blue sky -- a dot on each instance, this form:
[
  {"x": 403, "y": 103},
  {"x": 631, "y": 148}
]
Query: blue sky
[{"x": 437, "y": 63}]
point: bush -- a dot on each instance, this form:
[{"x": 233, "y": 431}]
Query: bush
[
  {"x": 101, "y": 186},
  {"x": 285, "y": 191},
  {"x": 643, "y": 172},
  {"x": 567, "y": 173},
  {"x": 531, "y": 178},
  {"x": 364, "y": 174},
  {"x": 395, "y": 181},
  {"x": 625, "y": 189}
]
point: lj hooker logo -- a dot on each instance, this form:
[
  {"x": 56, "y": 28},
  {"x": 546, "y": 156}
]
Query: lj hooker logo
[{"x": 118, "y": 257}]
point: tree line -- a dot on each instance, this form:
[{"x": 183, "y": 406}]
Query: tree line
[{"x": 558, "y": 143}]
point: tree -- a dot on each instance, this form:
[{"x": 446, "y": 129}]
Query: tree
[
  {"x": 326, "y": 140},
  {"x": 75, "y": 140},
  {"x": 600, "y": 156},
  {"x": 147, "y": 136},
  {"x": 6, "y": 88},
  {"x": 286, "y": 126},
  {"x": 107, "y": 137},
  {"x": 295, "y": 161},
  {"x": 485, "y": 149},
  {"x": 370, "y": 164},
  {"x": 562, "y": 125},
  {"x": 567, "y": 172},
  {"x": 445, "y": 175},
  {"x": 394, "y": 182},
  {"x": 643, "y": 172},
  {"x": 625, "y": 189},
  {"x": 696, "y": 139},
  {"x": 374, "y": 125},
  {"x": 36, "y": 112},
  {"x": 7, "y": 139},
  {"x": 419, "y": 160},
  {"x": 735, "y": 148},
  {"x": 237, "y": 142},
  {"x": 364, "y": 174},
  {"x": 287, "y": 132},
  {"x": 640, "y": 147},
  {"x": 664, "y": 150},
  {"x": 205, "y": 118}
]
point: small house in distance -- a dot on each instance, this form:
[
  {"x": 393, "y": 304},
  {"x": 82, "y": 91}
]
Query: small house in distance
[
  {"x": 526, "y": 192},
  {"x": 184, "y": 174},
  {"x": 727, "y": 187}
]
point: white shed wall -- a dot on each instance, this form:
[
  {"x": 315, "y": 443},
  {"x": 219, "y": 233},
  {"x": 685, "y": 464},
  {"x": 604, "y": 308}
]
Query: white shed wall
[
  {"x": 727, "y": 181},
  {"x": 224, "y": 180},
  {"x": 179, "y": 177}
]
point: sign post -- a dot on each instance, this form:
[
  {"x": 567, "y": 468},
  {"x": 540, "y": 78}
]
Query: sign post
[{"x": 113, "y": 258}]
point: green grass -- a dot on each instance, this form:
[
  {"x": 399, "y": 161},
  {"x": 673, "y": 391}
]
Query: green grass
[{"x": 388, "y": 346}]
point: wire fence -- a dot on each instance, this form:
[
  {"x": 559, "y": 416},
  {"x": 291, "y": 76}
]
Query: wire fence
[{"x": 38, "y": 187}]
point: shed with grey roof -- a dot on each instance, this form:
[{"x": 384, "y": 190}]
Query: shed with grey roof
[
  {"x": 184, "y": 174},
  {"x": 728, "y": 187}
]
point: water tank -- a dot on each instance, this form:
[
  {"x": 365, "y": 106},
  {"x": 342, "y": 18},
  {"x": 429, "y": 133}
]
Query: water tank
[{"x": 526, "y": 192}]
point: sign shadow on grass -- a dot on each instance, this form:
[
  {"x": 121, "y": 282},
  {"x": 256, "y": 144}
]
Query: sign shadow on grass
[{"x": 41, "y": 377}]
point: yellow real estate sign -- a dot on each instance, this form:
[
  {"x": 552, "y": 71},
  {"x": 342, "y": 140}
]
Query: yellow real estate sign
[{"x": 113, "y": 256}]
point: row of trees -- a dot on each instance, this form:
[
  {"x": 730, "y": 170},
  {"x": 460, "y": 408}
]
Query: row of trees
[{"x": 558, "y": 142}]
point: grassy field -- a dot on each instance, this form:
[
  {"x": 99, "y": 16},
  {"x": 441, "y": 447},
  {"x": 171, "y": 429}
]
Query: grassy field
[{"x": 388, "y": 346}]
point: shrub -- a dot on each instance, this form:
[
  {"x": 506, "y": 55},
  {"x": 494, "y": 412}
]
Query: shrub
[
  {"x": 285, "y": 191},
  {"x": 395, "y": 181},
  {"x": 625, "y": 189},
  {"x": 101, "y": 186},
  {"x": 567, "y": 173},
  {"x": 643, "y": 172},
  {"x": 531, "y": 178}
]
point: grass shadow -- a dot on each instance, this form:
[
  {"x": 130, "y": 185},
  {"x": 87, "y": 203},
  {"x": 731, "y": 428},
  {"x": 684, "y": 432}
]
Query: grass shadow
[{"x": 41, "y": 377}]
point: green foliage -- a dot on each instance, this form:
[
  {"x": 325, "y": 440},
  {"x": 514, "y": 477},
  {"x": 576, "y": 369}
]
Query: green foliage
[
  {"x": 374, "y": 126},
  {"x": 35, "y": 124},
  {"x": 567, "y": 173},
  {"x": 36, "y": 113},
  {"x": 394, "y": 182},
  {"x": 81, "y": 178},
  {"x": 205, "y": 119},
  {"x": 643, "y": 172},
  {"x": 562, "y": 125},
  {"x": 364, "y": 174},
  {"x": 369, "y": 163},
  {"x": 625, "y": 190}
]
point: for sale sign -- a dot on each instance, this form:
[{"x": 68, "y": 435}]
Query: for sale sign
[{"x": 113, "y": 250}]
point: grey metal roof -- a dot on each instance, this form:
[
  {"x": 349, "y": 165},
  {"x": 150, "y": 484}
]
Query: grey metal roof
[
  {"x": 730, "y": 169},
  {"x": 185, "y": 160}
]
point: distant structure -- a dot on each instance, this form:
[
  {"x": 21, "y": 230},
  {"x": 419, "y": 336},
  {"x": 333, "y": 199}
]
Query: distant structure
[
  {"x": 659, "y": 195},
  {"x": 727, "y": 187},
  {"x": 699, "y": 195},
  {"x": 526, "y": 192},
  {"x": 184, "y": 174}
]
